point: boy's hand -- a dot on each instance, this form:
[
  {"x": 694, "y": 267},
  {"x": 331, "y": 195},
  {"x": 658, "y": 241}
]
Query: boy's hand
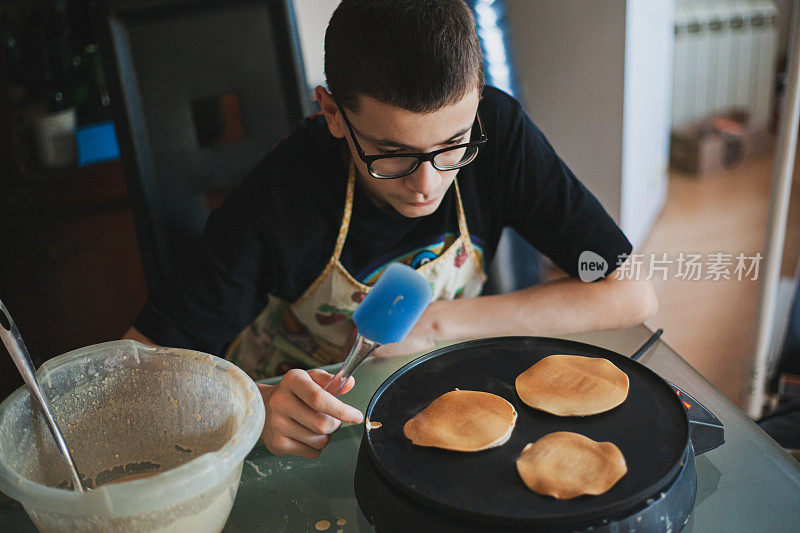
[{"x": 300, "y": 415}]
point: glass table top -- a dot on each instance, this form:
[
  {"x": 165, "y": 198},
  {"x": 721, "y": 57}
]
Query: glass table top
[{"x": 748, "y": 484}]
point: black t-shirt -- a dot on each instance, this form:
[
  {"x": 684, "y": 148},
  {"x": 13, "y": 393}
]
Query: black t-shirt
[{"x": 276, "y": 232}]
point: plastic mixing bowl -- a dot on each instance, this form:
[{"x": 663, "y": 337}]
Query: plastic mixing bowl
[{"x": 185, "y": 419}]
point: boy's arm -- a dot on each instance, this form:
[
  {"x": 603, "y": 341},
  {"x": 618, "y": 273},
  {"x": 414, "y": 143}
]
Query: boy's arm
[
  {"x": 555, "y": 308},
  {"x": 136, "y": 335}
]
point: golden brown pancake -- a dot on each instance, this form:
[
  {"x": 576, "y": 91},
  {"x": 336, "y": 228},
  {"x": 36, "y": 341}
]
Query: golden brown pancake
[
  {"x": 565, "y": 465},
  {"x": 572, "y": 385},
  {"x": 463, "y": 421}
]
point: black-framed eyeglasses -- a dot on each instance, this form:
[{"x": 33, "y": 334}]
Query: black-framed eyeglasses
[{"x": 391, "y": 166}]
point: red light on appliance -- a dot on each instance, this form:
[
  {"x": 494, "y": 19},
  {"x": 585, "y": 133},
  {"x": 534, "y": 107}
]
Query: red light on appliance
[{"x": 687, "y": 405}]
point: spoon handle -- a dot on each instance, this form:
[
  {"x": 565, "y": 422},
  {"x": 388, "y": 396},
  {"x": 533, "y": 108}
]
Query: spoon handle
[{"x": 19, "y": 353}]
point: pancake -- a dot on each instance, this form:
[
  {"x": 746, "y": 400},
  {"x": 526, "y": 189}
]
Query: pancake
[
  {"x": 463, "y": 421},
  {"x": 573, "y": 385},
  {"x": 565, "y": 465}
]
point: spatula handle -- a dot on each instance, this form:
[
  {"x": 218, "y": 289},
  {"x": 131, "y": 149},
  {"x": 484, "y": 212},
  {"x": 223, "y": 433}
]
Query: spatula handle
[{"x": 362, "y": 347}]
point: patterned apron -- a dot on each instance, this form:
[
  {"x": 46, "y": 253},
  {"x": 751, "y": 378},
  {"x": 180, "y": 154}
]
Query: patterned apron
[{"x": 314, "y": 330}]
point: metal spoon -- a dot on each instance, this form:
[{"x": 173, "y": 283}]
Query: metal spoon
[{"x": 19, "y": 353}]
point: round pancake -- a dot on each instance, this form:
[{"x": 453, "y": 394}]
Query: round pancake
[
  {"x": 565, "y": 465},
  {"x": 463, "y": 421},
  {"x": 573, "y": 385}
]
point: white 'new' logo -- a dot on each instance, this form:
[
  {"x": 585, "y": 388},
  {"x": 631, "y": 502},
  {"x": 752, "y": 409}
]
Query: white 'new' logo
[{"x": 591, "y": 266}]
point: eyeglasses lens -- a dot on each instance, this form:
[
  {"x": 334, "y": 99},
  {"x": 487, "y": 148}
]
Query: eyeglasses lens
[
  {"x": 395, "y": 167},
  {"x": 456, "y": 158},
  {"x": 391, "y": 167}
]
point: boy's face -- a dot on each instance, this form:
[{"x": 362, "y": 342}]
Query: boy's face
[{"x": 382, "y": 129}]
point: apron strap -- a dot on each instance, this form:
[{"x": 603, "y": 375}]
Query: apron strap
[
  {"x": 462, "y": 220},
  {"x": 348, "y": 211}
]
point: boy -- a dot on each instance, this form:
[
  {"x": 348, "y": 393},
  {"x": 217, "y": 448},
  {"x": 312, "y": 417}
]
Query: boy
[{"x": 371, "y": 180}]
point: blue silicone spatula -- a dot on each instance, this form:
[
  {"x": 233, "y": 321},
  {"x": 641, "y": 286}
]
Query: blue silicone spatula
[{"x": 386, "y": 315}]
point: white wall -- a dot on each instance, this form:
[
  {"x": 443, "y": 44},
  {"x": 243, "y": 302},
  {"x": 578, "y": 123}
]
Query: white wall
[
  {"x": 647, "y": 114},
  {"x": 597, "y": 79},
  {"x": 570, "y": 59},
  {"x": 312, "y": 19}
]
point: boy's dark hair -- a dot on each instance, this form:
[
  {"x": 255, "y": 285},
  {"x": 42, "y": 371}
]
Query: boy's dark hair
[{"x": 419, "y": 55}]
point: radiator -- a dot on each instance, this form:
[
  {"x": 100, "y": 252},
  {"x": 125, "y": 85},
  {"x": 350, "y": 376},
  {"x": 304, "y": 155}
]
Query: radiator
[{"x": 725, "y": 52}]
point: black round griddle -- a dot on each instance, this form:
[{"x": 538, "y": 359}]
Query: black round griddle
[
  {"x": 650, "y": 428},
  {"x": 390, "y": 511}
]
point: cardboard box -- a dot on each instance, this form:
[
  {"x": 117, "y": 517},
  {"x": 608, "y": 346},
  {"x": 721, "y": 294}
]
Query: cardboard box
[{"x": 721, "y": 142}]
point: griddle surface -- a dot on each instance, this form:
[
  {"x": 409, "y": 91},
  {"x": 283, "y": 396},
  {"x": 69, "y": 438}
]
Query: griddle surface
[{"x": 650, "y": 428}]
